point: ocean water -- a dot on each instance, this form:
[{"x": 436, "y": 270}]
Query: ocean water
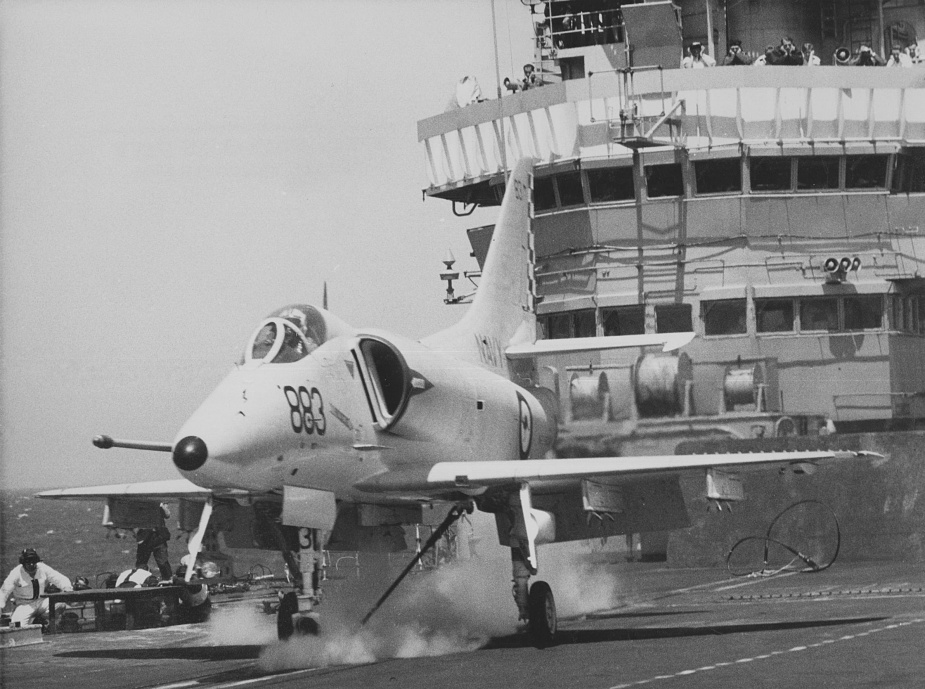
[{"x": 70, "y": 537}]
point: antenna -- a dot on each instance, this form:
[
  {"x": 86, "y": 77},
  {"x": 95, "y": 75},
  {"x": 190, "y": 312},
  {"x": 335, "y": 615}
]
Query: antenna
[{"x": 449, "y": 275}]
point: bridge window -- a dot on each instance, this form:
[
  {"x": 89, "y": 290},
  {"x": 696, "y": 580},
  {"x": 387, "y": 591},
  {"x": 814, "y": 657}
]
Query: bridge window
[
  {"x": 866, "y": 171},
  {"x": 673, "y": 318},
  {"x": 774, "y": 315},
  {"x": 819, "y": 314},
  {"x": 570, "y": 191},
  {"x": 544, "y": 194},
  {"x": 908, "y": 313},
  {"x": 611, "y": 184},
  {"x": 624, "y": 320},
  {"x": 770, "y": 174},
  {"x": 722, "y": 176},
  {"x": 726, "y": 317},
  {"x": 583, "y": 323},
  {"x": 863, "y": 312},
  {"x": 909, "y": 173},
  {"x": 817, "y": 173},
  {"x": 558, "y": 326},
  {"x": 664, "y": 180}
]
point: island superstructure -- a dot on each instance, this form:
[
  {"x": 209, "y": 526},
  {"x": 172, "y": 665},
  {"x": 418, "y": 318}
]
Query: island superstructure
[{"x": 777, "y": 211}]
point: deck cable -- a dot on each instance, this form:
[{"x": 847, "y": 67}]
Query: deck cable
[{"x": 811, "y": 566}]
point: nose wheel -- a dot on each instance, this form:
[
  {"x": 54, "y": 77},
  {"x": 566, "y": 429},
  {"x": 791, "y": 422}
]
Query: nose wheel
[{"x": 542, "y": 614}]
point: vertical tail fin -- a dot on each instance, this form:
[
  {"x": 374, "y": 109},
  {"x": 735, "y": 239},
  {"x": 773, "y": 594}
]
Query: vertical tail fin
[{"x": 503, "y": 311}]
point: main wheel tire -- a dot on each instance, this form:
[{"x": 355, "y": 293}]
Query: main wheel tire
[
  {"x": 542, "y": 610},
  {"x": 288, "y": 606}
]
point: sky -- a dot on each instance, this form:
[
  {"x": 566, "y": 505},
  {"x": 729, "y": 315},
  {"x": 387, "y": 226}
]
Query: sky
[{"x": 172, "y": 171}]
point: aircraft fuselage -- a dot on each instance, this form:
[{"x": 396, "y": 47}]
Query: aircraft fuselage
[{"x": 353, "y": 408}]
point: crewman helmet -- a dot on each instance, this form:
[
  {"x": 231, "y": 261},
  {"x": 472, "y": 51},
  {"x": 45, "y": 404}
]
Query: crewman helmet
[
  {"x": 209, "y": 570},
  {"x": 29, "y": 557}
]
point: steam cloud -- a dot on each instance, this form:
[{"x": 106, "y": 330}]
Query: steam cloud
[{"x": 454, "y": 609}]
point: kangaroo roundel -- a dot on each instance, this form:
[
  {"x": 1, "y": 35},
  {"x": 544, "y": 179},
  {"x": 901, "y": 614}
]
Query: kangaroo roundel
[{"x": 526, "y": 426}]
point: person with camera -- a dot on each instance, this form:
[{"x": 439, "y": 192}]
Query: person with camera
[
  {"x": 898, "y": 58},
  {"x": 810, "y": 59},
  {"x": 697, "y": 58},
  {"x": 786, "y": 54},
  {"x": 735, "y": 55},
  {"x": 867, "y": 58}
]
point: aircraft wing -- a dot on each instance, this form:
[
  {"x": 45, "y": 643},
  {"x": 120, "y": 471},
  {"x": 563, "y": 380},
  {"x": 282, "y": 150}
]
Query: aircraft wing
[
  {"x": 495, "y": 473},
  {"x": 670, "y": 341},
  {"x": 147, "y": 490}
]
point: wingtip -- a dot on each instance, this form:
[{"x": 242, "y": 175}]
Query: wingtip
[{"x": 678, "y": 340}]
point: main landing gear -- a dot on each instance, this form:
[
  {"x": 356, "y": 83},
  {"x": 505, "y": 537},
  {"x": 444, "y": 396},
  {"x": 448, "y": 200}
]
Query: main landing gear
[
  {"x": 542, "y": 610},
  {"x": 535, "y": 603},
  {"x": 526, "y": 528}
]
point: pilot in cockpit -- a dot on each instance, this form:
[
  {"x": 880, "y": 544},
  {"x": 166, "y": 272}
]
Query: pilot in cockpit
[
  {"x": 294, "y": 346},
  {"x": 283, "y": 338}
]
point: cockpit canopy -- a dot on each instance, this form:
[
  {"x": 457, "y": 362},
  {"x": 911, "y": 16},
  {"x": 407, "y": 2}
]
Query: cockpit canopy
[{"x": 291, "y": 333}]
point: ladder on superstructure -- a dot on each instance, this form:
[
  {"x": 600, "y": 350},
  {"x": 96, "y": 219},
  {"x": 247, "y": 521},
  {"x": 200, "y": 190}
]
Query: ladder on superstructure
[{"x": 859, "y": 26}]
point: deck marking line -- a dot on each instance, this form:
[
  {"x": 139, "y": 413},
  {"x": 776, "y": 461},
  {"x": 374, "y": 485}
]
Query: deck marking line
[
  {"x": 278, "y": 675},
  {"x": 751, "y": 581},
  {"x": 795, "y": 649},
  {"x": 238, "y": 683}
]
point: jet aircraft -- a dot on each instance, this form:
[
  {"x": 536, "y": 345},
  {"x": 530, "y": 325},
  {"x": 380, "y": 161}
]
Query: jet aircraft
[{"x": 322, "y": 424}]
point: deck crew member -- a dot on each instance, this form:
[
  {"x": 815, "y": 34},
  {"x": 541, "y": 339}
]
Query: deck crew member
[
  {"x": 153, "y": 541},
  {"x": 195, "y": 604},
  {"x": 26, "y": 583}
]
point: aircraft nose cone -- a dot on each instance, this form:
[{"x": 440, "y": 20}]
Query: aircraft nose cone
[{"x": 190, "y": 453}]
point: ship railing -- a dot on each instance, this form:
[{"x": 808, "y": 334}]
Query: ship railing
[
  {"x": 578, "y": 29},
  {"x": 627, "y": 120},
  {"x": 723, "y": 107}
]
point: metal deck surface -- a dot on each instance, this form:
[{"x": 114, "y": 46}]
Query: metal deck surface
[{"x": 857, "y": 624}]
